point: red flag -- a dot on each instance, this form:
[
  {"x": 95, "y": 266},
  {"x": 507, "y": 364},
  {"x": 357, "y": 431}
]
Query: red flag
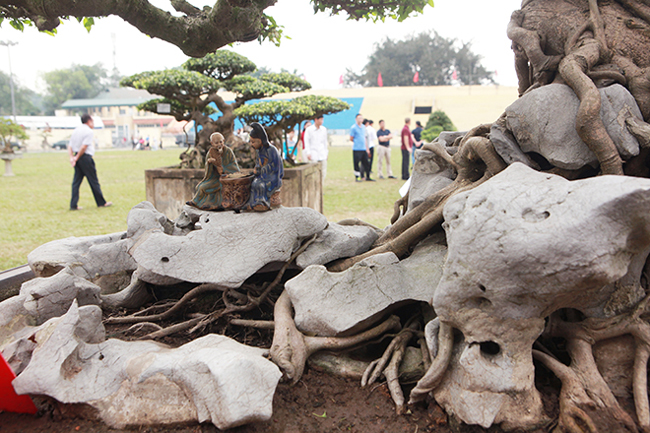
[
  {"x": 416, "y": 77},
  {"x": 454, "y": 75},
  {"x": 380, "y": 81},
  {"x": 341, "y": 79}
]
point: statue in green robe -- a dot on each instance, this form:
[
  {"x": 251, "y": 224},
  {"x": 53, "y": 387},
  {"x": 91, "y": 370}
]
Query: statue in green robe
[{"x": 220, "y": 162}]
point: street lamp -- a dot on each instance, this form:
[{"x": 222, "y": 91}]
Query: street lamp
[{"x": 9, "y": 44}]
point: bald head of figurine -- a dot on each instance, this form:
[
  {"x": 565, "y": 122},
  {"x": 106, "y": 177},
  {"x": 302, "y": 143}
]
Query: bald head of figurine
[{"x": 217, "y": 140}]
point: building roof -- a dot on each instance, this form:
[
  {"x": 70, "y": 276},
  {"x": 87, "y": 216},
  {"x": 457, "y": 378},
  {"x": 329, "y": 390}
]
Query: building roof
[
  {"x": 112, "y": 97},
  {"x": 59, "y": 122}
]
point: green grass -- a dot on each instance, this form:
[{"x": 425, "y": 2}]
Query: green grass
[{"x": 34, "y": 203}]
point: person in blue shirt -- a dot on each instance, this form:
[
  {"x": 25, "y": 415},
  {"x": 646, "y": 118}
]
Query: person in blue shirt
[{"x": 360, "y": 151}]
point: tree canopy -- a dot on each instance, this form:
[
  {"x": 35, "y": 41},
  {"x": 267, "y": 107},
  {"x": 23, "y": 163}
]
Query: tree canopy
[
  {"x": 195, "y": 31},
  {"x": 25, "y": 99},
  {"x": 10, "y": 129},
  {"x": 76, "y": 82},
  {"x": 282, "y": 116},
  {"x": 438, "y": 121},
  {"x": 436, "y": 60},
  {"x": 191, "y": 90}
]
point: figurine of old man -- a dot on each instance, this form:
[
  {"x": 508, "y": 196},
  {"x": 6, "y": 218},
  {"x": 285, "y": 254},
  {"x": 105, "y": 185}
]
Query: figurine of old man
[
  {"x": 220, "y": 162},
  {"x": 268, "y": 170}
]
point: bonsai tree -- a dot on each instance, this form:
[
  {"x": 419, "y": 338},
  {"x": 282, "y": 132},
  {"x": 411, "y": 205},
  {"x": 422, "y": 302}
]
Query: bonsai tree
[
  {"x": 8, "y": 129},
  {"x": 191, "y": 92},
  {"x": 280, "y": 117}
]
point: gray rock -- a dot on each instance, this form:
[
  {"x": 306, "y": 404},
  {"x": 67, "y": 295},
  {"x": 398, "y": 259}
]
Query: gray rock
[
  {"x": 140, "y": 383},
  {"x": 329, "y": 304},
  {"x": 543, "y": 121},
  {"x": 523, "y": 245},
  {"x": 44, "y": 298},
  {"x": 230, "y": 247},
  {"x": 335, "y": 242},
  {"x": 447, "y": 138},
  {"x": 92, "y": 257},
  {"x": 430, "y": 175}
]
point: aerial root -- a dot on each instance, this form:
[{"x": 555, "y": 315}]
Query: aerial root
[
  {"x": 242, "y": 303},
  {"x": 582, "y": 377},
  {"x": 476, "y": 161},
  {"x": 389, "y": 364},
  {"x": 291, "y": 348},
  {"x": 436, "y": 371}
]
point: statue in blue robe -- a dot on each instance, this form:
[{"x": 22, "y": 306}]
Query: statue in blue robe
[{"x": 269, "y": 170}]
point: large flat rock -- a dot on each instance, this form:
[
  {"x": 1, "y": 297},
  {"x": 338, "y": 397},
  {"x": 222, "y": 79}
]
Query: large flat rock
[
  {"x": 213, "y": 378},
  {"x": 328, "y": 303},
  {"x": 229, "y": 247}
]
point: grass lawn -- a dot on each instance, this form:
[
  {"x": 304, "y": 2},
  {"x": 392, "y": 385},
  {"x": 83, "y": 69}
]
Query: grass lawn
[{"x": 34, "y": 203}]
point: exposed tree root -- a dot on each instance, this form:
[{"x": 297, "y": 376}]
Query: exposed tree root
[
  {"x": 585, "y": 386},
  {"x": 395, "y": 353},
  {"x": 291, "y": 348},
  {"x": 438, "y": 367},
  {"x": 241, "y": 303},
  {"x": 475, "y": 161},
  {"x": 175, "y": 309}
]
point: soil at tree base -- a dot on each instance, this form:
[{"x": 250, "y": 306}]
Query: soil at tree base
[{"x": 318, "y": 403}]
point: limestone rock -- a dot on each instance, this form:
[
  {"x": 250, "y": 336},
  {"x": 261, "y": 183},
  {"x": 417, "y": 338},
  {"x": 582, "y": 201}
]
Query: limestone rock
[
  {"x": 430, "y": 175},
  {"x": 329, "y": 304},
  {"x": 91, "y": 257},
  {"x": 230, "y": 247},
  {"x": 521, "y": 246},
  {"x": 140, "y": 383},
  {"x": 335, "y": 242},
  {"x": 543, "y": 121},
  {"x": 44, "y": 298}
]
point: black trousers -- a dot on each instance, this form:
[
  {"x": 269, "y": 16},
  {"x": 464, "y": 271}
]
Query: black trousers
[
  {"x": 371, "y": 158},
  {"x": 361, "y": 164},
  {"x": 406, "y": 161},
  {"x": 85, "y": 167}
]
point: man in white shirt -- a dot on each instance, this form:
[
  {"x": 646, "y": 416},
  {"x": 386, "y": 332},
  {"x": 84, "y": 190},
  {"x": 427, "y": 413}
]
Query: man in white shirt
[
  {"x": 371, "y": 139},
  {"x": 316, "y": 145},
  {"x": 81, "y": 150}
]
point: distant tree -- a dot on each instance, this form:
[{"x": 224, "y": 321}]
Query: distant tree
[
  {"x": 76, "y": 82},
  {"x": 438, "y": 121},
  {"x": 192, "y": 89},
  {"x": 433, "y": 57},
  {"x": 24, "y": 98},
  {"x": 10, "y": 129}
]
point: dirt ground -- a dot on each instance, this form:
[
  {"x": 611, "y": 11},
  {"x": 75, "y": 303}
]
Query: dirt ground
[{"x": 318, "y": 403}]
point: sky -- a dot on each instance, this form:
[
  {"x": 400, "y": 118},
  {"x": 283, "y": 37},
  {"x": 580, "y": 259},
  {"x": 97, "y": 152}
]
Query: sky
[{"x": 321, "y": 47}]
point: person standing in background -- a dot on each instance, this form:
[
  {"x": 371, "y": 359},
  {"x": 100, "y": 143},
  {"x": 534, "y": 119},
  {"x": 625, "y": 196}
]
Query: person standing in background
[
  {"x": 316, "y": 145},
  {"x": 81, "y": 150},
  {"x": 371, "y": 136},
  {"x": 383, "y": 150},
  {"x": 360, "y": 151},
  {"x": 407, "y": 148},
  {"x": 417, "y": 139}
]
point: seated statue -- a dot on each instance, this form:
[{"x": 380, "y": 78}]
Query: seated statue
[
  {"x": 268, "y": 170},
  {"x": 220, "y": 162}
]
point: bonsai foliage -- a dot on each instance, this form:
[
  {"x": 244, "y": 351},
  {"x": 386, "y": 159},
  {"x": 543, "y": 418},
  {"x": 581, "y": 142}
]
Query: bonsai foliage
[
  {"x": 196, "y": 31},
  {"x": 191, "y": 89},
  {"x": 279, "y": 117},
  {"x": 8, "y": 129},
  {"x": 438, "y": 122}
]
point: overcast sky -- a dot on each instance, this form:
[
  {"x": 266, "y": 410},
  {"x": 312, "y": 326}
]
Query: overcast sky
[{"x": 321, "y": 47}]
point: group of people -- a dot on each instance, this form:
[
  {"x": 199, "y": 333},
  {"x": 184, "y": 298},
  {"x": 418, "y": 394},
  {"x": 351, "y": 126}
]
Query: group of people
[{"x": 365, "y": 139}]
